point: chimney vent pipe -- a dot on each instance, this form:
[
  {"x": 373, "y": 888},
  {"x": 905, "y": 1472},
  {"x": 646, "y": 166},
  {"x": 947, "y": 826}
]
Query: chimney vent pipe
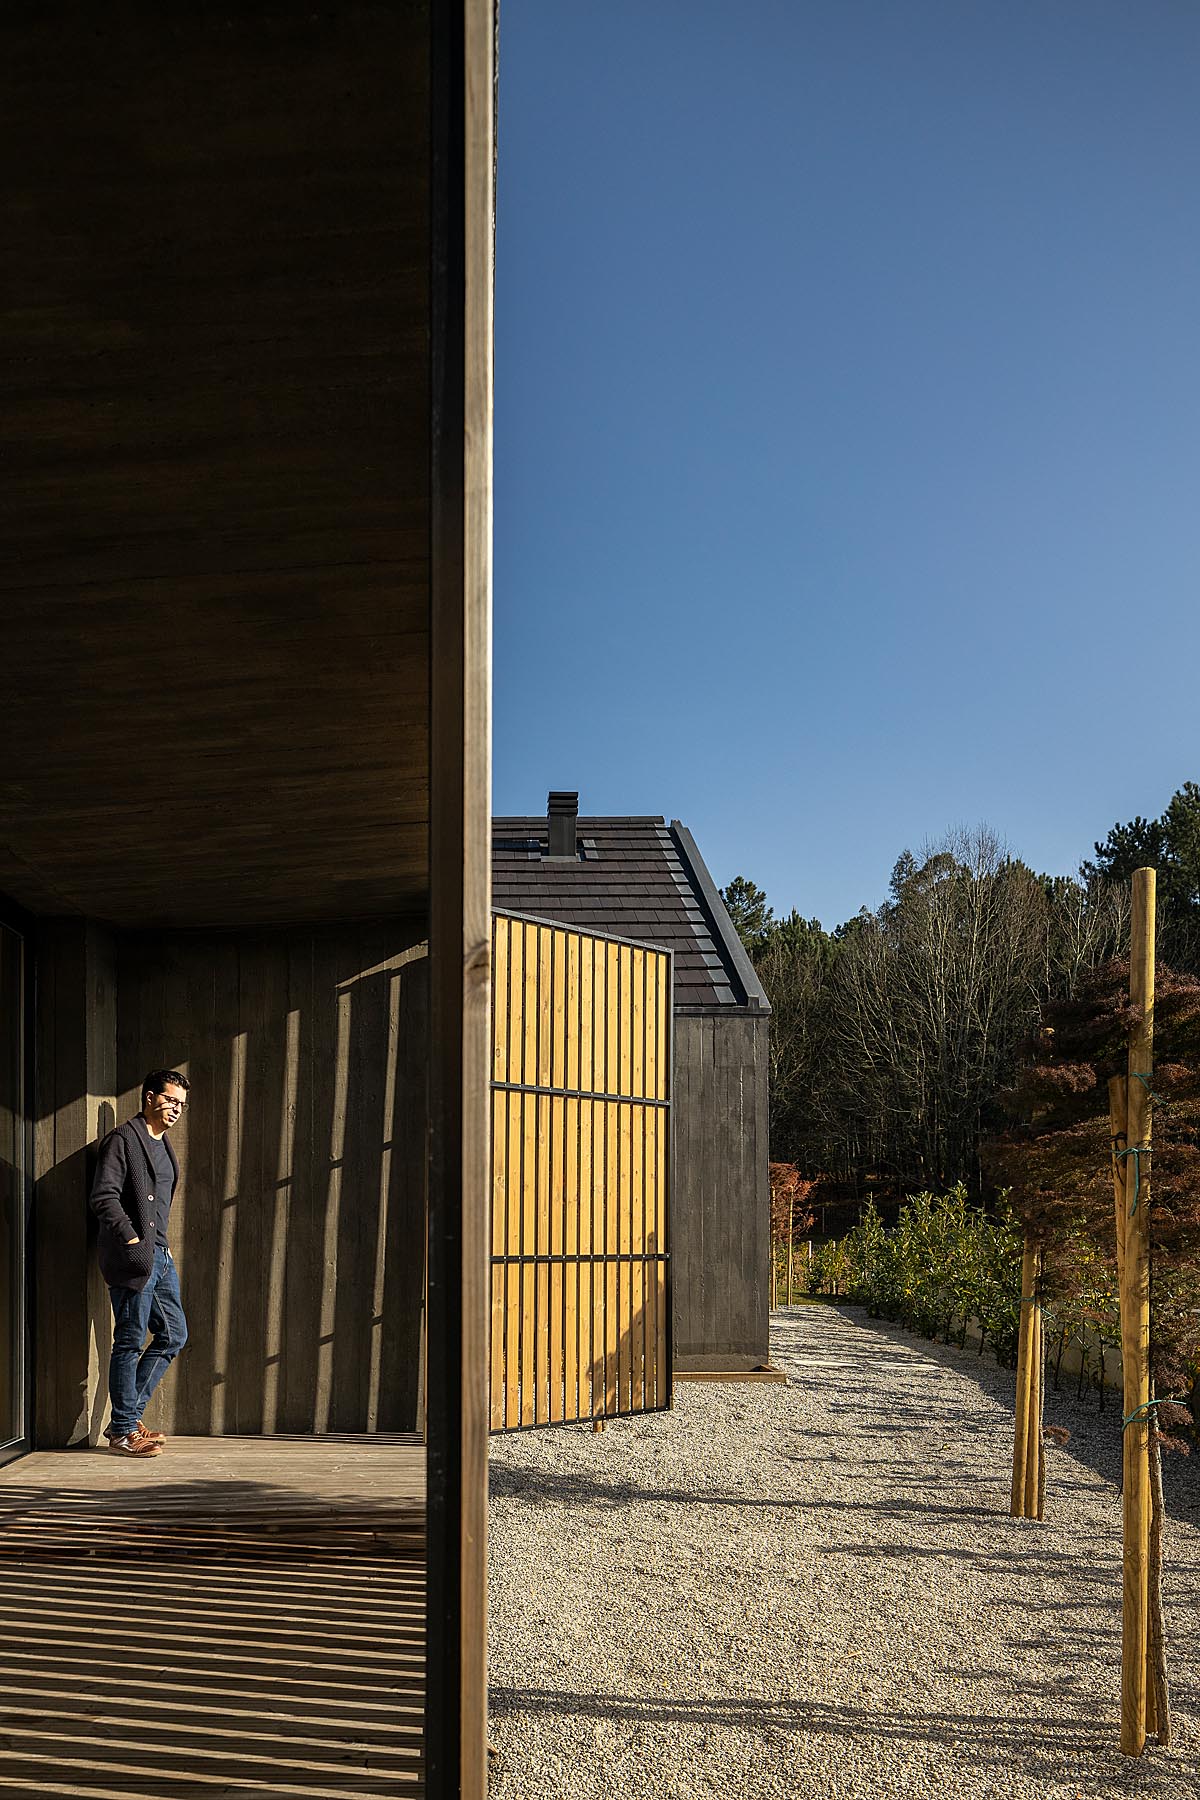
[{"x": 562, "y": 818}]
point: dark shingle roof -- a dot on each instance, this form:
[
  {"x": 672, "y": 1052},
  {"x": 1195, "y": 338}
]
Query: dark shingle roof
[{"x": 634, "y": 878}]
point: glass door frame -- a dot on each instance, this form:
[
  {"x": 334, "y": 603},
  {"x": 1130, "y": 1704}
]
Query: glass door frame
[{"x": 22, "y": 925}]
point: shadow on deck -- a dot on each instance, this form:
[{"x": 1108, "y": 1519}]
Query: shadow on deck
[{"x": 234, "y": 1617}]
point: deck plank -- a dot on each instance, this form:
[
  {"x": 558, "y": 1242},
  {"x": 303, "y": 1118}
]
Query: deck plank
[{"x": 251, "y": 1610}]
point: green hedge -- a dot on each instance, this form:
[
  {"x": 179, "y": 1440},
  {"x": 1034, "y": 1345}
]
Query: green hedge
[{"x": 943, "y": 1263}]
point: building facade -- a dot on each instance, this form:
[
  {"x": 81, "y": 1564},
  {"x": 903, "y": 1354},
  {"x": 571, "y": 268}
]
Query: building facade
[{"x": 645, "y": 879}]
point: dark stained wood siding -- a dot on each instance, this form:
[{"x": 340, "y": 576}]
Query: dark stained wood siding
[
  {"x": 215, "y": 434},
  {"x": 720, "y": 1197},
  {"x": 74, "y": 1105},
  {"x": 300, "y": 1222}
]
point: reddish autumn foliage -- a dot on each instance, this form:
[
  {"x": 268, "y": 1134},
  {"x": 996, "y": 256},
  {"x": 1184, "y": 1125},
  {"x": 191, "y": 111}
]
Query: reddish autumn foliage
[
  {"x": 791, "y": 1215},
  {"x": 1055, "y": 1157}
]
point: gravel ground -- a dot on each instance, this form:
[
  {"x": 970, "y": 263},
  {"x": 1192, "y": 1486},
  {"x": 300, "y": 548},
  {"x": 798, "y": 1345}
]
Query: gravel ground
[{"x": 817, "y": 1590}]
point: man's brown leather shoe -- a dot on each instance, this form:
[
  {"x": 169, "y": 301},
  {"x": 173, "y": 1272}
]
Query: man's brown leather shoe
[
  {"x": 133, "y": 1445},
  {"x": 152, "y": 1437}
]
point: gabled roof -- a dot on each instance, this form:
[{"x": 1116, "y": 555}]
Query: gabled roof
[{"x": 638, "y": 878}]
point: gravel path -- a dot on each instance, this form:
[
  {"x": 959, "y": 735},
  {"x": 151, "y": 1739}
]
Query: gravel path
[{"x": 817, "y": 1590}]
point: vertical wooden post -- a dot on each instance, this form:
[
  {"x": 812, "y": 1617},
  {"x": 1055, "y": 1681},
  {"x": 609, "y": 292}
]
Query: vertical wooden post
[
  {"x": 1033, "y": 1454},
  {"x": 1158, "y": 1694},
  {"x": 1151, "y": 1718},
  {"x": 1041, "y": 1414},
  {"x": 1117, "y": 1112},
  {"x": 1023, "y": 1435},
  {"x": 1120, "y": 1139},
  {"x": 462, "y": 212},
  {"x": 1158, "y": 1702},
  {"x": 1135, "y": 1324},
  {"x": 791, "y": 1254}
]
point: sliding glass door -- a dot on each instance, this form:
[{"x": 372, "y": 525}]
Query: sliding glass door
[{"x": 14, "y": 1190}]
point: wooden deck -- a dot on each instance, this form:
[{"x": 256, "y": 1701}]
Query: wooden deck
[{"x": 239, "y": 1616}]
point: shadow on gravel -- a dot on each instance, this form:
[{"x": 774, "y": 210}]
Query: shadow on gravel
[
  {"x": 858, "y": 1369},
  {"x": 919, "y": 1508},
  {"x": 1055, "y": 1748},
  {"x": 576, "y": 1489}
]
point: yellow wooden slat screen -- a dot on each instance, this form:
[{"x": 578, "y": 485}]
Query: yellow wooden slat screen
[{"x": 581, "y": 1080}]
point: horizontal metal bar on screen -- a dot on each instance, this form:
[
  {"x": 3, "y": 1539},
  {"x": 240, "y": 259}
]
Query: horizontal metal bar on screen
[
  {"x": 553, "y": 1093},
  {"x": 598, "y": 1256}
]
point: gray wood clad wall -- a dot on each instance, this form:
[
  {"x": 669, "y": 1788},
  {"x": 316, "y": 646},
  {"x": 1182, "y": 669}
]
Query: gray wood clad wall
[
  {"x": 215, "y": 364},
  {"x": 299, "y": 1226},
  {"x": 720, "y": 1195},
  {"x": 74, "y": 1105}
]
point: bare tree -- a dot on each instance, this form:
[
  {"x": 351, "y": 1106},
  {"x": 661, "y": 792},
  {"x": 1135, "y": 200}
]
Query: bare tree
[
  {"x": 934, "y": 993},
  {"x": 891, "y": 1038}
]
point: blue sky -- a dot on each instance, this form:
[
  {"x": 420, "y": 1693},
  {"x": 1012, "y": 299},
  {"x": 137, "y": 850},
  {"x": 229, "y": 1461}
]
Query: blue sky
[{"x": 848, "y": 423}]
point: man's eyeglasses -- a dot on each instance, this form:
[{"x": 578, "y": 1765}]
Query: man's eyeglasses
[{"x": 180, "y": 1105}]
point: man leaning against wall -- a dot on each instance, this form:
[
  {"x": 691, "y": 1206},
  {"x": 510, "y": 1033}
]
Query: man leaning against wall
[{"x": 136, "y": 1176}]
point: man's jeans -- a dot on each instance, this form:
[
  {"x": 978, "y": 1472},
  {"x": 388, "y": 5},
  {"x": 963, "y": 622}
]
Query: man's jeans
[{"x": 134, "y": 1373}]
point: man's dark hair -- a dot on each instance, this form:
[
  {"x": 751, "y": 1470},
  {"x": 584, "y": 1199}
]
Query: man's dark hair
[{"x": 158, "y": 1079}]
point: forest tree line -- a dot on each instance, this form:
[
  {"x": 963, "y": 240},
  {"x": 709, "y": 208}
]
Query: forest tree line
[{"x": 893, "y": 1035}]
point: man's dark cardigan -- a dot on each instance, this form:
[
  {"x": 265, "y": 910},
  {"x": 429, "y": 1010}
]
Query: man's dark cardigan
[{"x": 123, "y": 1199}]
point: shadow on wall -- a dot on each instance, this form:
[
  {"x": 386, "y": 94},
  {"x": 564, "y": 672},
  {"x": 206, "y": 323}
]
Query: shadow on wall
[
  {"x": 299, "y": 1225},
  {"x": 580, "y": 1340},
  {"x": 94, "y": 1413}
]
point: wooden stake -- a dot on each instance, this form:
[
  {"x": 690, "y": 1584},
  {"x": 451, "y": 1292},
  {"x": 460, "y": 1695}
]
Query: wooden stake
[
  {"x": 1118, "y": 1124},
  {"x": 1119, "y": 1132},
  {"x": 1152, "y": 1645},
  {"x": 1041, "y": 1415},
  {"x": 1158, "y": 1716},
  {"x": 1033, "y": 1454},
  {"x": 1026, "y": 1345},
  {"x": 1135, "y": 1324},
  {"x": 1158, "y": 1713}
]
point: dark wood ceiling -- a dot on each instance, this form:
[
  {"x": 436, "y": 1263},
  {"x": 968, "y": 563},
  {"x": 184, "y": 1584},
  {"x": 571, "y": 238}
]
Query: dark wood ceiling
[{"x": 214, "y": 425}]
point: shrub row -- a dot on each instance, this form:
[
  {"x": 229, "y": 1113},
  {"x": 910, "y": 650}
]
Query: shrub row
[
  {"x": 946, "y": 1263},
  {"x": 943, "y": 1264}
]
